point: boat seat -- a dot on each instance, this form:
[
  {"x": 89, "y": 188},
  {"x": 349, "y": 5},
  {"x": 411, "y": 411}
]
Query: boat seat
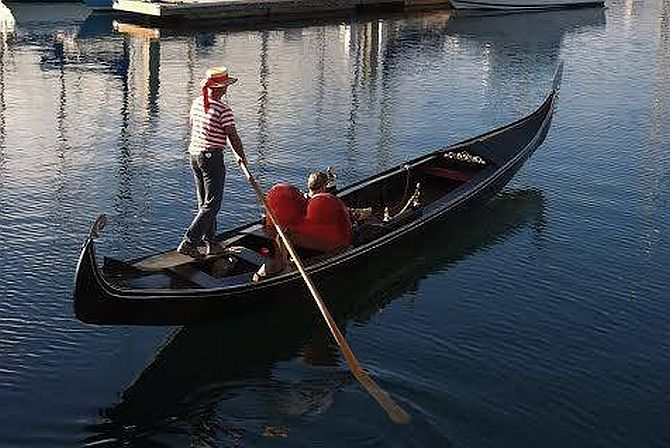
[
  {"x": 446, "y": 173},
  {"x": 196, "y": 276},
  {"x": 255, "y": 230},
  {"x": 246, "y": 254}
]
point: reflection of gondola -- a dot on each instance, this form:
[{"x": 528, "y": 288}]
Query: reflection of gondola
[
  {"x": 200, "y": 375},
  {"x": 172, "y": 288}
]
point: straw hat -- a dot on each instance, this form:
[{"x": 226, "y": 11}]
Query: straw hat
[
  {"x": 218, "y": 77},
  {"x": 215, "y": 78}
]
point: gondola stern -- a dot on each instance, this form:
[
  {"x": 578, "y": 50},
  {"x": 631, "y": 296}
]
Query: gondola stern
[
  {"x": 86, "y": 294},
  {"x": 87, "y": 291}
]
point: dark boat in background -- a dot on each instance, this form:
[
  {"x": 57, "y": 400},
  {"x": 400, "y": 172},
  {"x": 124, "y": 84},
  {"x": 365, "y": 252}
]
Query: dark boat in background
[{"x": 157, "y": 290}]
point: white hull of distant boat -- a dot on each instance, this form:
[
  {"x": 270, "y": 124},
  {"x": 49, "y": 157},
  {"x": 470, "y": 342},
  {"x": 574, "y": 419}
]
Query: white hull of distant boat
[
  {"x": 6, "y": 18},
  {"x": 522, "y": 5}
]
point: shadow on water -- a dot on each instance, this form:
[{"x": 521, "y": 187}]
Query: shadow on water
[{"x": 215, "y": 382}]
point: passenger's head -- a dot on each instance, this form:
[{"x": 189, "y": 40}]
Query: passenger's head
[
  {"x": 322, "y": 182},
  {"x": 317, "y": 182}
]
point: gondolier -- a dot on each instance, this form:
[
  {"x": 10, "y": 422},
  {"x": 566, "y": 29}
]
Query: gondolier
[{"x": 212, "y": 125}]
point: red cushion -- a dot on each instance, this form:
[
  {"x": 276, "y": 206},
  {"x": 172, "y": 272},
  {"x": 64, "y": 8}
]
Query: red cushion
[
  {"x": 327, "y": 221},
  {"x": 446, "y": 173},
  {"x": 322, "y": 223},
  {"x": 287, "y": 205}
]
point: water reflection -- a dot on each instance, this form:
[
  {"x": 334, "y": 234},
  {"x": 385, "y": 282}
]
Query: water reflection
[
  {"x": 538, "y": 36},
  {"x": 62, "y": 141},
  {"x": 263, "y": 74},
  {"x": 4, "y": 59},
  {"x": 6, "y": 37},
  {"x": 358, "y": 71},
  {"x": 654, "y": 158},
  {"x": 89, "y": 46},
  {"x": 630, "y": 11},
  {"x": 140, "y": 86},
  {"x": 349, "y": 92},
  {"x": 251, "y": 377},
  {"x": 373, "y": 55},
  {"x": 533, "y": 32}
]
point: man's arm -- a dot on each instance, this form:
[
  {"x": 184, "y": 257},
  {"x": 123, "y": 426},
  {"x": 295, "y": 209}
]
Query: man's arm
[{"x": 235, "y": 142}]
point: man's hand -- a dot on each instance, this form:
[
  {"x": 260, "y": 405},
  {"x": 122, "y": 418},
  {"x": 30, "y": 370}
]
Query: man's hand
[{"x": 236, "y": 143}]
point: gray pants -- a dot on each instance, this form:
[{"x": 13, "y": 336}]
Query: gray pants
[{"x": 209, "y": 173}]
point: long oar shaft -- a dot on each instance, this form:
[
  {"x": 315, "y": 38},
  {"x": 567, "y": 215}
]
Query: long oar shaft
[{"x": 395, "y": 412}]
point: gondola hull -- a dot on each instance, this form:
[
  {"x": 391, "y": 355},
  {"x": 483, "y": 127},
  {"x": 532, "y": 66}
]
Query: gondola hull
[{"x": 98, "y": 301}]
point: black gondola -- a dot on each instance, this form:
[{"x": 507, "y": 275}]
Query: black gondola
[{"x": 405, "y": 200}]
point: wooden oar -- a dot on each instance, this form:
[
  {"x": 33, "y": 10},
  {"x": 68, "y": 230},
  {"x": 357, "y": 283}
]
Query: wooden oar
[{"x": 395, "y": 412}]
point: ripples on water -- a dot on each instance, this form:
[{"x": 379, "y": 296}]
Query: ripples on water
[{"x": 537, "y": 320}]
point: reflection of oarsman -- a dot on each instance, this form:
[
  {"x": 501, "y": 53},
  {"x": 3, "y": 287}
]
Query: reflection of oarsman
[{"x": 212, "y": 124}]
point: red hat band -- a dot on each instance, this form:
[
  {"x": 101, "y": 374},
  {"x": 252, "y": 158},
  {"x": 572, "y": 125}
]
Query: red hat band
[
  {"x": 218, "y": 80},
  {"x": 221, "y": 78}
]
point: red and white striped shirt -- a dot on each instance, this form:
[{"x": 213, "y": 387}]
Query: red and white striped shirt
[{"x": 207, "y": 127}]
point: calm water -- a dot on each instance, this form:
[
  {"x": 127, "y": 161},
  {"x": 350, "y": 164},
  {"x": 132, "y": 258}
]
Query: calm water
[{"x": 538, "y": 320}]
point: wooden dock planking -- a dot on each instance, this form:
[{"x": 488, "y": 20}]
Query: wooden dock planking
[{"x": 231, "y": 9}]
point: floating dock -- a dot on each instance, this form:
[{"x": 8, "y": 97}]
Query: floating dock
[{"x": 233, "y": 9}]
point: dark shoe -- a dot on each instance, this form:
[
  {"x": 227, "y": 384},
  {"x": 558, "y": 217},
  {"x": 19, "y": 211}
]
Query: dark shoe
[
  {"x": 215, "y": 248},
  {"x": 187, "y": 248}
]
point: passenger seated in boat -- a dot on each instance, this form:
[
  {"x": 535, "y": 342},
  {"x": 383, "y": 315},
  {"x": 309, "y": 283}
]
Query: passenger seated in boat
[
  {"x": 288, "y": 206},
  {"x": 320, "y": 223},
  {"x": 325, "y": 182},
  {"x": 276, "y": 261}
]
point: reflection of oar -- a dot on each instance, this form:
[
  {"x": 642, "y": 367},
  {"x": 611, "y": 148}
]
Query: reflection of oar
[{"x": 394, "y": 411}]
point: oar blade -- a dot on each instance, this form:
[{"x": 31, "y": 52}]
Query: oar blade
[{"x": 394, "y": 411}]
